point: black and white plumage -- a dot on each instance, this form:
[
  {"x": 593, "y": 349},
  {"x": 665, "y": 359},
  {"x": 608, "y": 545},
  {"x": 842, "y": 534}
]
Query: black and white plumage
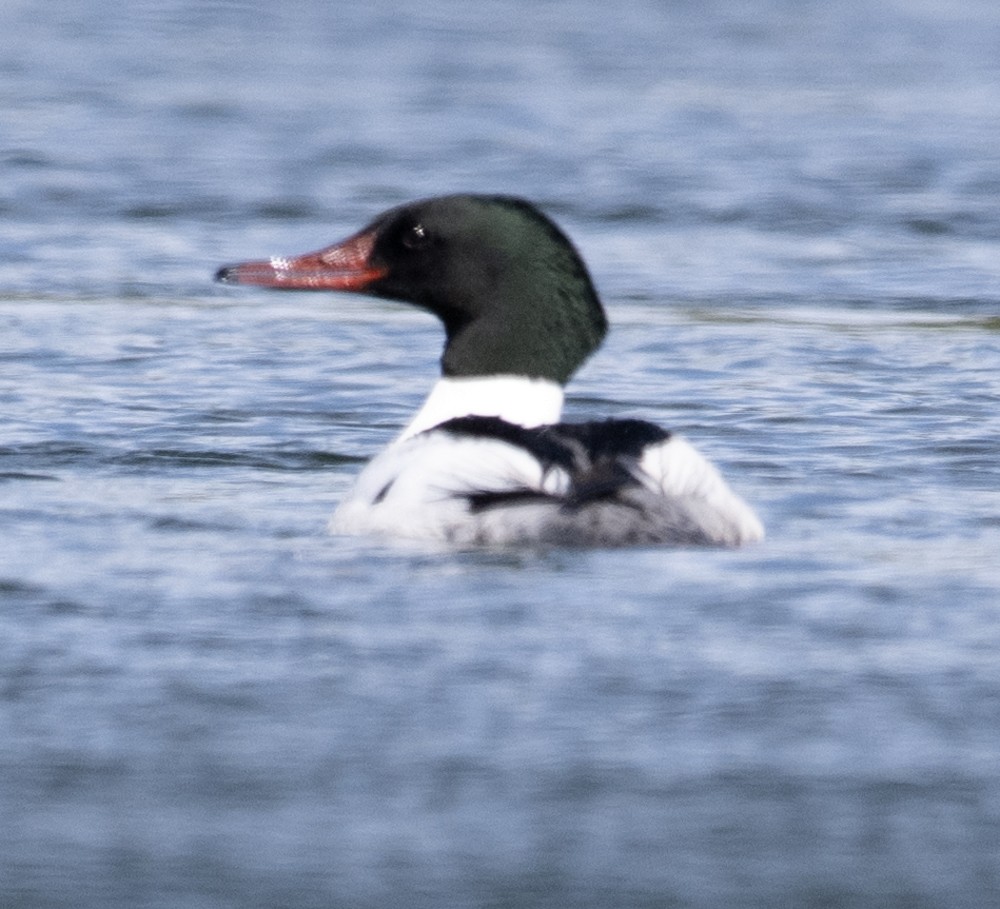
[{"x": 486, "y": 460}]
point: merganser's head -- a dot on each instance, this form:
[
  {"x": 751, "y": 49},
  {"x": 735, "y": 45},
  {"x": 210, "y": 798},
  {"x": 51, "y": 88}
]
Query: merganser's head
[{"x": 513, "y": 293}]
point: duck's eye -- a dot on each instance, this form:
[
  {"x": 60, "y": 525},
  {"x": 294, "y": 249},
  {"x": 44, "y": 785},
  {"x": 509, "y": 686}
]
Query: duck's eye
[{"x": 416, "y": 237}]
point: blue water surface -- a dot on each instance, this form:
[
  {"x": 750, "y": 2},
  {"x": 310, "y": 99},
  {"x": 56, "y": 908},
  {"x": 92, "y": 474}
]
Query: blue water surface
[{"x": 792, "y": 211}]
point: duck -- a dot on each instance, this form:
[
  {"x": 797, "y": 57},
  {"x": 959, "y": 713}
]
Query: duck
[{"x": 487, "y": 460}]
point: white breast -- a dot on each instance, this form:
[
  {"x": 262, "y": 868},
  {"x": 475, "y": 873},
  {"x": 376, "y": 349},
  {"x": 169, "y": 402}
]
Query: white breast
[
  {"x": 516, "y": 399},
  {"x": 419, "y": 487}
]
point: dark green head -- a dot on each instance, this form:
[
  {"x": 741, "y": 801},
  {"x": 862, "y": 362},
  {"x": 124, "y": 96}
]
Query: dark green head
[{"x": 513, "y": 294}]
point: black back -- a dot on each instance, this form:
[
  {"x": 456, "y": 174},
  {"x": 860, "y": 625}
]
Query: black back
[{"x": 599, "y": 456}]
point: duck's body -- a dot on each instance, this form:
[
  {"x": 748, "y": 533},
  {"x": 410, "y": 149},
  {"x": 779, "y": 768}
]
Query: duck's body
[
  {"x": 495, "y": 475},
  {"x": 486, "y": 460}
]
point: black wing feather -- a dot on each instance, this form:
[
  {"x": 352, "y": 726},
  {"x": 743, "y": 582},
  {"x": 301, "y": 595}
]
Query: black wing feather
[{"x": 599, "y": 457}]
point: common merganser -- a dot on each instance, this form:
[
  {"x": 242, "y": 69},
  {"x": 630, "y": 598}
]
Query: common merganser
[{"x": 485, "y": 460}]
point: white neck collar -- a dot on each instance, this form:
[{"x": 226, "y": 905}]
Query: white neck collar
[{"x": 516, "y": 399}]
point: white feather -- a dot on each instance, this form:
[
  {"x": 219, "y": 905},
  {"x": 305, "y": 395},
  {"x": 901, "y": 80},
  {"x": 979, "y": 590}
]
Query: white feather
[
  {"x": 676, "y": 469},
  {"x": 417, "y": 488},
  {"x": 516, "y": 399}
]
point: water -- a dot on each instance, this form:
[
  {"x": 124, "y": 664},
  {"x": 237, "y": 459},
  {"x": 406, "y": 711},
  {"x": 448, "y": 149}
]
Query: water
[{"x": 792, "y": 213}]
